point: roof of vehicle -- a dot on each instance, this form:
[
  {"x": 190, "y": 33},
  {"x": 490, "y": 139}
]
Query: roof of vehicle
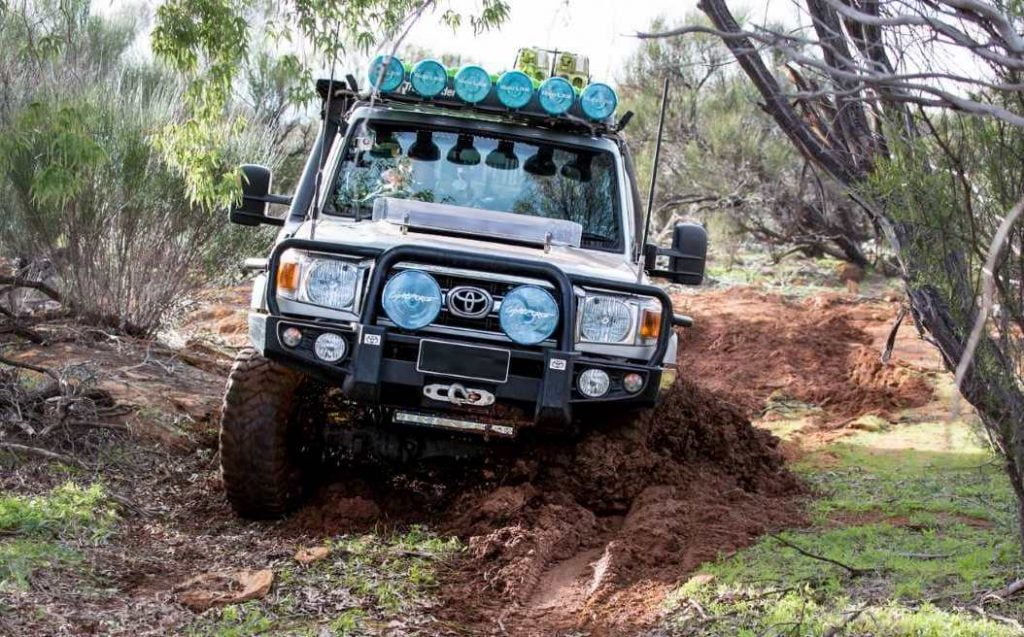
[{"x": 571, "y": 127}]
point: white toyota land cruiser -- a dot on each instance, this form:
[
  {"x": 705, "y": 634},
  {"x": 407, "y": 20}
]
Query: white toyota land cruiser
[{"x": 462, "y": 259}]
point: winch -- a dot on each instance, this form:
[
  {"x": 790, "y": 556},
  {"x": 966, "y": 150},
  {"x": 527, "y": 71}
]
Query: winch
[{"x": 458, "y": 394}]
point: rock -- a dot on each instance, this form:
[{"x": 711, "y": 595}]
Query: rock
[
  {"x": 225, "y": 587},
  {"x": 311, "y": 554}
]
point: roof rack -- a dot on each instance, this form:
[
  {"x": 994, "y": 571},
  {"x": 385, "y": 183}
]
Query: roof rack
[
  {"x": 569, "y": 123},
  {"x": 560, "y": 99}
]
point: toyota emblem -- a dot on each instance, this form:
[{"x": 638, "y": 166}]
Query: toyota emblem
[{"x": 469, "y": 302}]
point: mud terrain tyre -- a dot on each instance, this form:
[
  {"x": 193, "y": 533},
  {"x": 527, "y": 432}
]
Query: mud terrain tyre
[{"x": 270, "y": 447}]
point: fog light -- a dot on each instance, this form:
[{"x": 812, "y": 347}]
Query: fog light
[
  {"x": 633, "y": 382},
  {"x": 593, "y": 383},
  {"x": 330, "y": 347},
  {"x": 291, "y": 336}
]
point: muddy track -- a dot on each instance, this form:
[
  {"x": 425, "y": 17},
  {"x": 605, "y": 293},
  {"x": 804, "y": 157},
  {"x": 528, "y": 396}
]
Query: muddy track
[
  {"x": 591, "y": 536},
  {"x": 583, "y": 537},
  {"x": 586, "y": 535}
]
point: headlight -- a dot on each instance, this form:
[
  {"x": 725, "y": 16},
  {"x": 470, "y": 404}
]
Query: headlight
[
  {"x": 618, "y": 320},
  {"x": 605, "y": 319},
  {"x": 412, "y": 299},
  {"x": 332, "y": 283},
  {"x": 528, "y": 314}
]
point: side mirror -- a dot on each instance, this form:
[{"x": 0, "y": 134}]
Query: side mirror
[
  {"x": 252, "y": 210},
  {"x": 686, "y": 257}
]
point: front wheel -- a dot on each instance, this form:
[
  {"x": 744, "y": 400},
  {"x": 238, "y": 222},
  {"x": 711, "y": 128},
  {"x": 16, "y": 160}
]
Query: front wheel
[{"x": 270, "y": 441}]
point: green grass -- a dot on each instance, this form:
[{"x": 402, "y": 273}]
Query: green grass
[
  {"x": 922, "y": 513},
  {"x": 366, "y": 583},
  {"x": 40, "y": 532}
]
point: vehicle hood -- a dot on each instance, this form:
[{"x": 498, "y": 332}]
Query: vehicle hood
[{"x": 384, "y": 235}]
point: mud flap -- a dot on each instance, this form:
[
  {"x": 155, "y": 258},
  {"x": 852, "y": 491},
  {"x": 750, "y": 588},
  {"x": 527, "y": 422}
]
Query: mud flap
[
  {"x": 553, "y": 408},
  {"x": 363, "y": 383}
]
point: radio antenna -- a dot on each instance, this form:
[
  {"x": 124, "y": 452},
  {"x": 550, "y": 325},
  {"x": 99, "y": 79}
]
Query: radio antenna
[{"x": 654, "y": 166}]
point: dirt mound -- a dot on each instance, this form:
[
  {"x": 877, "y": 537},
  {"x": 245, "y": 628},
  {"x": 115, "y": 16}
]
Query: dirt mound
[
  {"x": 751, "y": 347},
  {"x": 629, "y": 505}
]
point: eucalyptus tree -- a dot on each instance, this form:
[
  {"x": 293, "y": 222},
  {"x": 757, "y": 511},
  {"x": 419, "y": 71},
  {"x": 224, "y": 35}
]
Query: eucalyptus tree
[
  {"x": 724, "y": 157},
  {"x": 208, "y": 41},
  {"x": 916, "y": 107}
]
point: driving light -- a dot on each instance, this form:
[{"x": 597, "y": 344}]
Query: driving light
[
  {"x": 632, "y": 382},
  {"x": 330, "y": 347},
  {"x": 598, "y": 101},
  {"x": 429, "y": 78},
  {"x": 556, "y": 95},
  {"x": 528, "y": 314},
  {"x": 332, "y": 283},
  {"x": 291, "y": 336},
  {"x": 389, "y": 77},
  {"x": 605, "y": 320},
  {"x": 593, "y": 383},
  {"x": 472, "y": 84},
  {"x": 412, "y": 299},
  {"x": 514, "y": 89}
]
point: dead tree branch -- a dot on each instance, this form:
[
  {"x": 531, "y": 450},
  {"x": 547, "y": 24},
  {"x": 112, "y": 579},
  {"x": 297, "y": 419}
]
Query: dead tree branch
[
  {"x": 43, "y": 453},
  {"x": 987, "y": 290},
  {"x": 22, "y": 282},
  {"x": 29, "y": 366},
  {"x": 852, "y": 570}
]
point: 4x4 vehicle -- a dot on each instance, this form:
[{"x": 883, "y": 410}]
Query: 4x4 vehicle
[{"x": 461, "y": 260}]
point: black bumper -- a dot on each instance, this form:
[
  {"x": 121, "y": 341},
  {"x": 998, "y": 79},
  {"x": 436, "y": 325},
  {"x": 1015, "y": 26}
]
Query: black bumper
[{"x": 380, "y": 367}]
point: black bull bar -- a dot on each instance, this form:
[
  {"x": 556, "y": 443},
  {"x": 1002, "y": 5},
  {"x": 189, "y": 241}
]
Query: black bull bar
[{"x": 364, "y": 378}]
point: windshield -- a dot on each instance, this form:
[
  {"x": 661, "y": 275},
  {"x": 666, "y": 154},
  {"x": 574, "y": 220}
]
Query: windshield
[{"x": 505, "y": 174}]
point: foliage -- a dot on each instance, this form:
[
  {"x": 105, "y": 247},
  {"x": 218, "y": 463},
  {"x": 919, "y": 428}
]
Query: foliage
[
  {"x": 92, "y": 194},
  {"x": 41, "y": 529},
  {"x": 86, "y": 188},
  {"x": 723, "y": 159},
  {"x": 380, "y": 580},
  {"x": 207, "y": 41},
  {"x": 67, "y": 511},
  {"x": 880, "y": 112},
  {"x": 920, "y": 507},
  {"x": 953, "y": 187}
]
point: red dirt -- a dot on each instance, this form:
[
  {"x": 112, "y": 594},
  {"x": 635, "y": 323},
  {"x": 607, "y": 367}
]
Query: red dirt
[
  {"x": 586, "y": 536},
  {"x": 591, "y": 532},
  {"x": 943, "y": 518},
  {"x": 751, "y": 347}
]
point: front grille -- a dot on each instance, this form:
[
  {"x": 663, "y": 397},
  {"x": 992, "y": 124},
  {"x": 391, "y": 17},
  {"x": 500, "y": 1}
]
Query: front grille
[{"x": 490, "y": 325}]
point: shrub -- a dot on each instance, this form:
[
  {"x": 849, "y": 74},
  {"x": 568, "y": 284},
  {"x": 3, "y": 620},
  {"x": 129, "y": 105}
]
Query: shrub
[{"x": 88, "y": 191}]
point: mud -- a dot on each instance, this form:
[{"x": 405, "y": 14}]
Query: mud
[
  {"x": 752, "y": 348},
  {"x": 591, "y": 536},
  {"x": 563, "y": 537},
  {"x": 581, "y": 535}
]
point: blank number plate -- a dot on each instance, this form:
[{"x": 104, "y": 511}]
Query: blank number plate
[{"x": 463, "y": 361}]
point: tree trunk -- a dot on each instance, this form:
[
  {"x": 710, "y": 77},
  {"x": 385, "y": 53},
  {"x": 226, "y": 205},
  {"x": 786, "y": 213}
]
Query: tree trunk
[{"x": 990, "y": 383}]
